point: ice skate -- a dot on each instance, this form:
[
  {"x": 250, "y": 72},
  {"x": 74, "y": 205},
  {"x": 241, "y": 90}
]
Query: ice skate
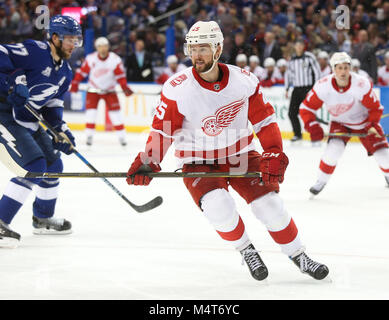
[
  {"x": 8, "y": 238},
  {"x": 89, "y": 141},
  {"x": 123, "y": 142},
  {"x": 315, "y": 269},
  {"x": 387, "y": 181},
  {"x": 296, "y": 140},
  {"x": 254, "y": 262},
  {"x": 51, "y": 226},
  {"x": 317, "y": 187}
]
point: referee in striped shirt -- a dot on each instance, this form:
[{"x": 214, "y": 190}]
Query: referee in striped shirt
[{"x": 302, "y": 73}]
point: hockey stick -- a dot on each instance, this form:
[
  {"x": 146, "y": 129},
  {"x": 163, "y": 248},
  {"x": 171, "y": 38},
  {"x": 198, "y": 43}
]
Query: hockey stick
[
  {"x": 98, "y": 91},
  {"x": 148, "y": 206},
  {"x": 10, "y": 163},
  {"x": 341, "y": 134},
  {"x": 327, "y": 123},
  {"x": 27, "y": 174}
]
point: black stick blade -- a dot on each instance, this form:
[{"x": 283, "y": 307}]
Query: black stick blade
[{"x": 149, "y": 205}]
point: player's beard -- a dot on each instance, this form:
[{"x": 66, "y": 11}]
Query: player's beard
[
  {"x": 203, "y": 68},
  {"x": 62, "y": 53}
]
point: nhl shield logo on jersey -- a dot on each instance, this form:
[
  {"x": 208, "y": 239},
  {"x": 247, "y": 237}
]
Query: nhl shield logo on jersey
[{"x": 214, "y": 125}]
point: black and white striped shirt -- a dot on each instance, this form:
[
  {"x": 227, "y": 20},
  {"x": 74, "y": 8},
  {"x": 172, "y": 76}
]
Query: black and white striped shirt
[{"x": 302, "y": 71}]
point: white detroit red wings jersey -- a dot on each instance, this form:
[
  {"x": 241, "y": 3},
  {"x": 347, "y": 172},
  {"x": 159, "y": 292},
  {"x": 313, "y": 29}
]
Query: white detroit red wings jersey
[
  {"x": 383, "y": 75},
  {"x": 353, "y": 106},
  {"x": 325, "y": 72},
  {"x": 211, "y": 120},
  {"x": 104, "y": 74}
]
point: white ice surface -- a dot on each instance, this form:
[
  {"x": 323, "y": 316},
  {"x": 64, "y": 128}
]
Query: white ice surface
[{"x": 173, "y": 253}]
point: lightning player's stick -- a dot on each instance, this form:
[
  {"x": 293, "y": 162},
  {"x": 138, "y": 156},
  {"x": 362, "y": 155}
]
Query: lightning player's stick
[{"x": 148, "y": 206}]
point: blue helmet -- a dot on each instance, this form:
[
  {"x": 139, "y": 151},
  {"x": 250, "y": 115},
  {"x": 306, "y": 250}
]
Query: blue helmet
[{"x": 64, "y": 26}]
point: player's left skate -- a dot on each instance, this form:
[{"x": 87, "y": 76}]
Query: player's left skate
[
  {"x": 387, "y": 181},
  {"x": 317, "y": 187},
  {"x": 315, "y": 269},
  {"x": 51, "y": 226}
]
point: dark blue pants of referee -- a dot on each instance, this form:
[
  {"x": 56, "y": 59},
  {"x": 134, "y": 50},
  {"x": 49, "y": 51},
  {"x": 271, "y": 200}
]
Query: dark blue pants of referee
[{"x": 298, "y": 96}]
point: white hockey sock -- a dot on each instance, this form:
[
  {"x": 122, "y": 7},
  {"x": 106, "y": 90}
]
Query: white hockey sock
[
  {"x": 382, "y": 158},
  {"x": 270, "y": 210},
  {"x": 219, "y": 208},
  {"x": 334, "y": 150},
  {"x": 90, "y": 115},
  {"x": 118, "y": 123}
]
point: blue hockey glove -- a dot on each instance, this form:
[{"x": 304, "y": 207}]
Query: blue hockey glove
[
  {"x": 67, "y": 143},
  {"x": 19, "y": 91}
]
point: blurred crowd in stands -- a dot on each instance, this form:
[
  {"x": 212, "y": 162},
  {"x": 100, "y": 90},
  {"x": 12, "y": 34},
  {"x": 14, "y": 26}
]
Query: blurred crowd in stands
[{"x": 260, "y": 33}]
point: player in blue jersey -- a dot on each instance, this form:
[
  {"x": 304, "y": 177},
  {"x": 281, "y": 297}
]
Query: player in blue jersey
[{"x": 36, "y": 73}]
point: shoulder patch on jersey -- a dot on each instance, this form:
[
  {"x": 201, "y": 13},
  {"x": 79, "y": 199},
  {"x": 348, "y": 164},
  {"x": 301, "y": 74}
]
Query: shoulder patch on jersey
[
  {"x": 41, "y": 44},
  {"x": 244, "y": 71},
  {"x": 178, "y": 80}
]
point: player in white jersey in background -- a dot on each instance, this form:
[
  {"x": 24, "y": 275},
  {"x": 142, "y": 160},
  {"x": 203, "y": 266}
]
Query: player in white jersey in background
[
  {"x": 255, "y": 68},
  {"x": 383, "y": 72},
  {"x": 173, "y": 66},
  {"x": 356, "y": 67},
  {"x": 206, "y": 110},
  {"x": 322, "y": 58},
  {"x": 354, "y": 108},
  {"x": 105, "y": 70}
]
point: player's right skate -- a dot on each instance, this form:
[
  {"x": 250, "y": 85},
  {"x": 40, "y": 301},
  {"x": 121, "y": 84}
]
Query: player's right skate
[
  {"x": 89, "y": 141},
  {"x": 387, "y": 181},
  {"x": 8, "y": 238},
  {"x": 254, "y": 262},
  {"x": 51, "y": 226},
  {"x": 317, "y": 187}
]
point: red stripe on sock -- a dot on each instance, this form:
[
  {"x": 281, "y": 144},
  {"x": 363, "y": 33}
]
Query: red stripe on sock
[
  {"x": 385, "y": 170},
  {"x": 90, "y": 125},
  {"x": 119, "y": 127},
  {"x": 235, "y": 234},
  {"x": 326, "y": 168},
  {"x": 286, "y": 235}
]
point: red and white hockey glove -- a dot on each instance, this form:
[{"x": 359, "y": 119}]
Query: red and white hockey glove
[
  {"x": 273, "y": 165},
  {"x": 374, "y": 129},
  {"x": 142, "y": 163},
  {"x": 127, "y": 91},
  {"x": 315, "y": 130},
  {"x": 74, "y": 86}
]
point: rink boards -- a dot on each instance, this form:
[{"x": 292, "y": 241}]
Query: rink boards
[{"x": 138, "y": 109}]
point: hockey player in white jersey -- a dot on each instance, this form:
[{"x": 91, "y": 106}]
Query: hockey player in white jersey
[
  {"x": 354, "y": 109},
  {"x": 206, "y": 110},
  {"x": 105, "y": 70}
]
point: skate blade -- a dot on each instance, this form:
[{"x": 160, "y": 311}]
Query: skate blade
[
  {"x": 312, "y": 196},
  {"x": 9, "y": 243},
  {"x": 43, "y": 231}
]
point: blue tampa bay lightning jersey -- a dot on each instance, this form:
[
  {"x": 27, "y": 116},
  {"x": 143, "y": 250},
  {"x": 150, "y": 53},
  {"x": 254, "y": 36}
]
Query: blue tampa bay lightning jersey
[{"x": 47, "y": 81}]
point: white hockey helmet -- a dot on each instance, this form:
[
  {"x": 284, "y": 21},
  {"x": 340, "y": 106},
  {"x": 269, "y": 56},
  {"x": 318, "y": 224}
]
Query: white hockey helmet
[
  {"x": 323, "y": 55},
  {"x": 172, "y": 59},
  {"x": 282, "y": 63},
  {"x": 204, "y": 32},
  {"x": 101, "y": 41},
  {"x": 338, "y": 58},
  {"x": 254, "y": 58},
  {"x": 355, "y": 63},
  {"x": 241, "y": 58},
  {"x": 269, "y": 62}
]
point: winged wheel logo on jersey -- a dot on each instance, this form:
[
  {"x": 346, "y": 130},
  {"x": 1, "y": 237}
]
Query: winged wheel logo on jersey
[
  {"x": 214, "y": 125},
  {"x": 338, "y": 109}
]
